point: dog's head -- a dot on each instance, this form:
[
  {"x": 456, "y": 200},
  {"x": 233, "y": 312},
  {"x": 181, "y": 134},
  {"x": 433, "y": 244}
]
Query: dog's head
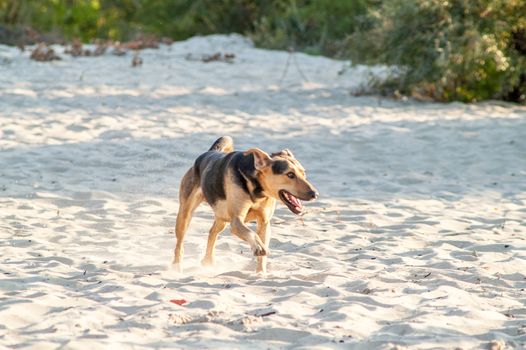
[{"x": 282, "y": 177}]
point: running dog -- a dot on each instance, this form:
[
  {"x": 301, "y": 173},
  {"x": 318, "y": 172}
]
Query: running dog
[{"x": 240, "y": 187}]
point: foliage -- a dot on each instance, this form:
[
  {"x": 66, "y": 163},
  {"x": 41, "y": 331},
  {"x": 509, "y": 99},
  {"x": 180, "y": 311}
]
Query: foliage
[
  {"x": 316, "y": 26},
  {"x": 313, "y": 26},
  {"x": 464, "y": 50},
  {"x": 448, "y": 49}
]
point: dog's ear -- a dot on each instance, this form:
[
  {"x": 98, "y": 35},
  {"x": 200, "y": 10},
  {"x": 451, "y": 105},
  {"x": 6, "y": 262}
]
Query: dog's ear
[
  {"x": 284, "y": 153},
  {"x": 261, "y": 158},
  {"x": 288, "y": 152}
]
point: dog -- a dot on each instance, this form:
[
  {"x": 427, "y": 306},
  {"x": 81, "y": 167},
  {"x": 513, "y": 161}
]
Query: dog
[{"x": 240, "y": 187}]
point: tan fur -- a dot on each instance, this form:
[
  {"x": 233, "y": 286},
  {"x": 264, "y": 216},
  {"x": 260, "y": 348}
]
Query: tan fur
[{"x": 239, "y": 208}]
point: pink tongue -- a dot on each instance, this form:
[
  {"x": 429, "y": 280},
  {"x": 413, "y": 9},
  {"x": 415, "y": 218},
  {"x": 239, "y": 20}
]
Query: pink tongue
[{"x": 295, "y": 201}]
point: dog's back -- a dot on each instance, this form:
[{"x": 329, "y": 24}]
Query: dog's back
[
  {"x": 191, "y": 181},
  {"x": 210, "y": 168}
]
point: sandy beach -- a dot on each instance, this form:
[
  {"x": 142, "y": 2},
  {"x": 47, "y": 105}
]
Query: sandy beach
[{"x": 418, "y": 239}]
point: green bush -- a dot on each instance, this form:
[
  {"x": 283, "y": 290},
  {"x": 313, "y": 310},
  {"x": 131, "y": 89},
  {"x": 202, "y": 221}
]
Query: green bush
[
  {"x": 78, "y": 18},
  {"x": 448, "y": 49},
  {"x": 465, "y": 50},
  {"x": 316, "y": 26}
]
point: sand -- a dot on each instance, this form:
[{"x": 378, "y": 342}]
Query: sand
[{"x": 417, "y": 240}]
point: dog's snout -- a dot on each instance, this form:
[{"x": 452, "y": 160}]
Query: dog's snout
[{"x": 313, "y": 194}]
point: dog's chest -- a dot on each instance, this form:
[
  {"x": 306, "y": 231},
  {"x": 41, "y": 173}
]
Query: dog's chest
[{"x": 264, "y": 208}]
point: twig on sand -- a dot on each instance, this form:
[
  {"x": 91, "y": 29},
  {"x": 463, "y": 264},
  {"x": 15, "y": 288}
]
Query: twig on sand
[
  {"x": 285, "y": 70},
  {"x": 267, "y": 314},
  {"x": 118, "y": 51},
  {"x": 77, "y": 49},
  {"x": 44, "y": 53},
  {"x": 136, "y": 61},
  {"x": 218, "y": 57},
  {"x": 299, "y": 68}
]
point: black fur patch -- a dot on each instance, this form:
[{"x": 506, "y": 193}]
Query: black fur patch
[
  {"x": 244, "y": 171},
  {"x": 212, "y": 167},
  {"x": 280, "y": 166}
]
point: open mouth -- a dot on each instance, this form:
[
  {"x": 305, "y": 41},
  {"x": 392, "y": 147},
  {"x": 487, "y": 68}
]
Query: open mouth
[{"x": 291, "y": 201}]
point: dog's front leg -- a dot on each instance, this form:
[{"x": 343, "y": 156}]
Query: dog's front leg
[
  {"x": 239, "y": 229},
  {"x": 263, "y": 229}
]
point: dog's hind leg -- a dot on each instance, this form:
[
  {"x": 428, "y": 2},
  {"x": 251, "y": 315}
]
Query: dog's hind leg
[
  {"x": 190, "y": 196},
  {"x": 215, "y": 230}
]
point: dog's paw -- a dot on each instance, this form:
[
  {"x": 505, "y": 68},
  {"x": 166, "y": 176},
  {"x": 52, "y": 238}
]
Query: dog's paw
[
  {"x": 207, "y": 261},
  {"x": 261, "y": 270},
  {"x": 177, "y": 267},
  {"x": 260, "y": 251}
]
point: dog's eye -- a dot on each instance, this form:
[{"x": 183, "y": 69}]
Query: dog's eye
[{"x": 291, "y": 175}]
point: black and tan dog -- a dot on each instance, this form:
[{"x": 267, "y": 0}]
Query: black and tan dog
[{"x": 240, "y": 187}]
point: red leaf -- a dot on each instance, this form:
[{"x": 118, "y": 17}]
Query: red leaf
[{"x": 178, "y": 301}]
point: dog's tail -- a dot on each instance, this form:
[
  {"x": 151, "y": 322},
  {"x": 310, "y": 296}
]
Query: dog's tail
[{"x": 223, "y": 144}]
